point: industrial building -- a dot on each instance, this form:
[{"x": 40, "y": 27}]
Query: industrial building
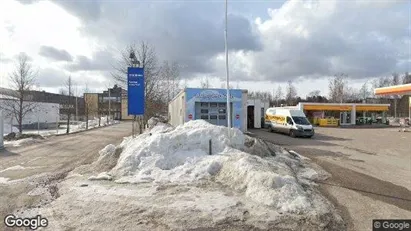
[{"x": 209, "y": 104}]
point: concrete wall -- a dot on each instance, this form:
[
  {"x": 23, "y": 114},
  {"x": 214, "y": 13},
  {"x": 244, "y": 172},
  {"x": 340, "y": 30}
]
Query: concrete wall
[
  {"x": 176, "y": 109},
  {"x": 245, "y": 116}
]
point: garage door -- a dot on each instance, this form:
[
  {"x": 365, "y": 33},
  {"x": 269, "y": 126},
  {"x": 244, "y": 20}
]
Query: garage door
[{"x": 213, "y": 112}]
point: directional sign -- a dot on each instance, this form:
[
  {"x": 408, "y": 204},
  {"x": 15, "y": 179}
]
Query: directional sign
[{"x": 135, "y": 87}]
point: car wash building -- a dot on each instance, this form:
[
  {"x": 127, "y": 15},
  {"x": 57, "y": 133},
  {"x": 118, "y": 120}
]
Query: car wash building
[
  {"x": 256, "y": 113},
  {"x": 210, "y": 105}
]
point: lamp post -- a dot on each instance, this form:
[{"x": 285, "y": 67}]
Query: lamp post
[
  {"x": 1, "y": 129},
  {"x": 227, "y": 73}
]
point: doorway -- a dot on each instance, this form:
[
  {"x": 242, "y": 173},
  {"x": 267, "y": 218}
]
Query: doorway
[
  {"x": 345, "y": 118},
  {"x": 250, "y": 117}
]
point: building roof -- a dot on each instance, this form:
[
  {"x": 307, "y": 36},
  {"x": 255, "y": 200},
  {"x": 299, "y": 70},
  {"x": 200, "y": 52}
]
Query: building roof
[{"x": 403, "y": 89}]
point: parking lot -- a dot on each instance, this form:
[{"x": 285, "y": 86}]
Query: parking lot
[{"x": 370, "y": 168}]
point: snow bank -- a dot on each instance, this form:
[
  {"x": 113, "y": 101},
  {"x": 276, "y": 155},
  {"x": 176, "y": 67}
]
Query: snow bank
[
  {"x": 18, "y": 143},
  {"x": 164, "y": 154}
]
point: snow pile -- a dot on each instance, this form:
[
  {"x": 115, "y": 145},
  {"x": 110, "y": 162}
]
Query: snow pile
[
  {"x": 164, "y": 155},
  {"x": 21, "y": 142}
]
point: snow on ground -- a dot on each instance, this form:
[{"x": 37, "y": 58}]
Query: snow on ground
[
  {"x": 21, "y": 142},
  {"x": 62, "y": 129},
  {"x": 165, "y": 179}
]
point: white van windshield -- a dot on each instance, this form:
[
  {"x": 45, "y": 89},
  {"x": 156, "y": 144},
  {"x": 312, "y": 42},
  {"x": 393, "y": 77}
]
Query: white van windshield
[{"x": 301, "y": 120}]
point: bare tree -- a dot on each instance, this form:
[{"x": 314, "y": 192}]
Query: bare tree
[
  {"x": 406, "y": 78},
  {"x": 205, "y": 83},
  {"x": 338, "y": 88},
  {"x": 22, "y": 82},
  {"x": 291, "y": 93},
  {"x": 90, "y": 104},
  {"x": 153, "y": 80},
  {"x": 365, "y": 91},
  {"x": 278, "y": 96},
  {"x": 69, "y": 87}
]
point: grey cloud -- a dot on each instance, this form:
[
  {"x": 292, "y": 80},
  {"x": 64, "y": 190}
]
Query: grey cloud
[
  {"x": 187, "y": 32},
  {"x": 86, "y": 10},
  {"x": 359, "y": 39},
  {"x": 102, "y": 60},
  {"x": 50, "y": 77},
  {"x": 55, "y": 54}
]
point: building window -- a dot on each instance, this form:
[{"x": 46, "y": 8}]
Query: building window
[
  {"x": 213, "y": 117},
  {"x": 205, "y": 111},
  {"x": 221, "y": 111},
  {"x": 204, "y": 104},
  {"x": 213, "y": 104},
  {"x": 222, "y": 105},
  {"x": 204, "y": 117},
  {"x": 221, "y": 117}
]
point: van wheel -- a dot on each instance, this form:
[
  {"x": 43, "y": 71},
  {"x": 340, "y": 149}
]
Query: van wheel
[
  {"x": 270, "y": 129},
  {"x": 292, "y": 133}
]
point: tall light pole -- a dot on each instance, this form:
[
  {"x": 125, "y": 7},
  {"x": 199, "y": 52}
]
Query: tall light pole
[
  {"x": 2, "y": 129},
  {"x": 226, "y": 67}
]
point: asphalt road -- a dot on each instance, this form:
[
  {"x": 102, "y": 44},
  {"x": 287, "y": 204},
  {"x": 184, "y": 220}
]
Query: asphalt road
[
  {"x": 48, "y": 162},
  {"x": 370, "y": 168}
]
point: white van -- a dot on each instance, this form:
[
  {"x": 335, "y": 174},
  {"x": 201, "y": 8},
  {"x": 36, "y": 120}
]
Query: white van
[{"x": 291, "y": 121}]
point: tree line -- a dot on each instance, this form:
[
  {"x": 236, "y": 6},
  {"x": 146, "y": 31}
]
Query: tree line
[
  {"x": 339, "y": 88},
  {"x": 162, "y": 84}
]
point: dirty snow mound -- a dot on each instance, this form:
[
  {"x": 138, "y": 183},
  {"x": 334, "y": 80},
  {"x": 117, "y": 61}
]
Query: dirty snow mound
[
  {"x": 174, "y": 151},
  {"x": 165, "y": 154}
]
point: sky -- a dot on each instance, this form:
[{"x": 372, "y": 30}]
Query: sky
[{"x": 270, "y": 42}]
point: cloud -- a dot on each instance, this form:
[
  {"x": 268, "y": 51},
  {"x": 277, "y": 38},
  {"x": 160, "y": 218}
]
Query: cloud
[
  {"x": 17, "y": 56},
  {"x": 4, "y": 58},
  {"x": 187, "y": 32},
  {"x": 27, "y": 2},
  {"x": 55, "y": 54},
  {"x": 295, "y": 39},
  {"x": 51, "y": 77},
  {"x": 101, "y": 61}
]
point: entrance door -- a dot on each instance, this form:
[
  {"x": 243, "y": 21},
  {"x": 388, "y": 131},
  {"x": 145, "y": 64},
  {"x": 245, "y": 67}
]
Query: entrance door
[{"x": 345, "y": 118}]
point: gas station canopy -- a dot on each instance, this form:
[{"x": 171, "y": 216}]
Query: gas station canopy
[{"x": 404, "y": 89}]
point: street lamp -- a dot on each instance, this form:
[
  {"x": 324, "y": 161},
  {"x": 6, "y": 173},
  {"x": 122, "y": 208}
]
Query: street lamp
[
  {"x": 1, "y": 129},
  {"x": 227, "y": 74}
]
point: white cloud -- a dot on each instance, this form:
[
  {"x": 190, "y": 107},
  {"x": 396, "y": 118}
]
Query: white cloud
[{"x": 301, "y": 40}]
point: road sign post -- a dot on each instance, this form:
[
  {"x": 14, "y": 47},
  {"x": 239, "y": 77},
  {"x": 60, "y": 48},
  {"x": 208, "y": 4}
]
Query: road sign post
[{"x": 136, "y": 93}]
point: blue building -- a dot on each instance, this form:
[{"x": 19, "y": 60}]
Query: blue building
[{"x": 210, "y": 105}]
